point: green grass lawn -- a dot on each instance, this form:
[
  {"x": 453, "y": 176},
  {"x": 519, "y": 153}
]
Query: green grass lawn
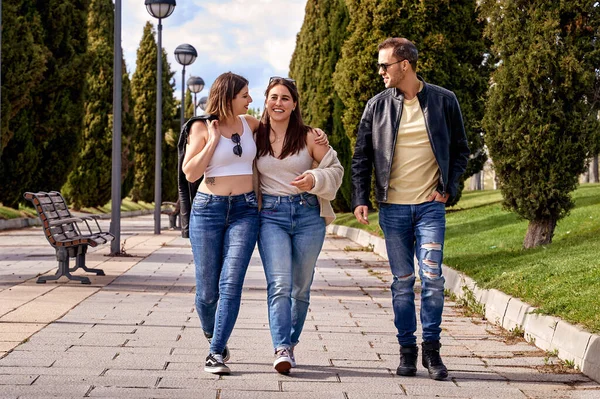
[
  {"x": 126, "y": 205},
  {"x": 563, "y": 279}
]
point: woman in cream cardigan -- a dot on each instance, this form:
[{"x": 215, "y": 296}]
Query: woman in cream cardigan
[{"x": 295, "y": 210}]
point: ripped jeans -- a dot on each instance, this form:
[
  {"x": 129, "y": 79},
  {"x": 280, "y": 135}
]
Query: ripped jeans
[{"x": 415, "y": 230}]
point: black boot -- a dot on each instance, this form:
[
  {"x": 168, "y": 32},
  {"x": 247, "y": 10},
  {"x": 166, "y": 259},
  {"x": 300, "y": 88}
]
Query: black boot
[
  {"x": 432, "y": 360},
  {"x": 408, "y": 360}
]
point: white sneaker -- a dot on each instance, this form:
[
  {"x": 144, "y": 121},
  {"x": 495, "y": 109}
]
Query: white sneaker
[{"x": 283, "y": 361}]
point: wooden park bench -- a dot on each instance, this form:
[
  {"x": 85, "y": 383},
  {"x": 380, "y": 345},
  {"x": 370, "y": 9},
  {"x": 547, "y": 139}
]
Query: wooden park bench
[
  {"x": 172, "y": 210},
  {"x": 64, "y": 233}
]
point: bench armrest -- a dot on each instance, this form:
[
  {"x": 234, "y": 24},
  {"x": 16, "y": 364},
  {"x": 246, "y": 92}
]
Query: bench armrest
[
  {"x": 59, "y": 222},
  {"x": 95, "y": 219}
]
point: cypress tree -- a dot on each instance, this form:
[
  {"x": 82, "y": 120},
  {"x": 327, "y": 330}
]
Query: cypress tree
[
  {"x": 539, "y": 121},
  {"x": 170, "y": 129},
  {"x": 23, "y": 65},
  {"x": 59, "y": 98},
  {"x": 128, "y": 129},
  {"x": 451, "y": 54},
  {"x": 143, "y": 89},
  {"x": 89, "y": 183},
  {"x": 189, "y": 105},
  {"x": 317, "y": 51}
]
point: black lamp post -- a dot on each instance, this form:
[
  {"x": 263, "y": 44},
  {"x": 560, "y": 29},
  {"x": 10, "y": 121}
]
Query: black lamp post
[
  {"x": 185, "y": 54},
  {"x": 158, "y": 9},
  {"x": 195, "y": 84}
]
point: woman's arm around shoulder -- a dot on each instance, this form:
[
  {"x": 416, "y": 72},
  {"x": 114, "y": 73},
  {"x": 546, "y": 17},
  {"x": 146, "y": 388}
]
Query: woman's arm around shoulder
[
  {"x": 316, "y": 150},
  {"x": 202, "y": 141}
]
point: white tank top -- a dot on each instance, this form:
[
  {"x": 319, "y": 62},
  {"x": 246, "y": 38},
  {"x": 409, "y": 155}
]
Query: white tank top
[
  {"x": 277, "y": 174},
  {"x": 225, "y": 163}
]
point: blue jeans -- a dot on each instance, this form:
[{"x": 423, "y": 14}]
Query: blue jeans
[
  {"x": 290, "y": 240},
  {"x": 223, "y": 233},
  {"x": 409, "y": 230}
]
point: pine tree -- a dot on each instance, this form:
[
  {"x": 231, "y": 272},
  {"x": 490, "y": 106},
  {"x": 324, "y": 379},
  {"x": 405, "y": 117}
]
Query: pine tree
[
  {"x": 23, "y": 65},
  {"x": 451, "y": 54},
  {"x": 89, "y": 183},
  {"x": 128, "y": 129},
  {"x": 317, "y": 51},
  {"x": 144, "y": 96},
  {"x": 539, "y": 121},
  {"x": 59, "y": 98},
  {"x": 189, "y": 104}
]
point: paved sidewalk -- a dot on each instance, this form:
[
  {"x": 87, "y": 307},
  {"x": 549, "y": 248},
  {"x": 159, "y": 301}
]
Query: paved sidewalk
[{"x": 134, "y": 333}]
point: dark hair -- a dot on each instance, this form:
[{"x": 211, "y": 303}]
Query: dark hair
[
  {"x": 404, "y": 49},
  {"x": 295, "y": 135},
  {"x": 222, "y": 92}
]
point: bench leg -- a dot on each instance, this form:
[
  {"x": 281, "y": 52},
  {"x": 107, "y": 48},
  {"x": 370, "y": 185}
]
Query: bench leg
[
  {"x": 63, "y": 269},
  {"x": 80, "y": 262}
]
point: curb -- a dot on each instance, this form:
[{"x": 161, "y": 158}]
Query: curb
[
  {"x": 546, "y": 332},
  {"x": 20, "y": 223}
]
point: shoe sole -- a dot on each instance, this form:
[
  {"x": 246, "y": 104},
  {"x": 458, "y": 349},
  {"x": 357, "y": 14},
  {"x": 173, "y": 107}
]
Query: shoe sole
[
  {"x": 438, "y": 377},
  {"x": 283, "y": 367},
  {"x": 406, "y": 372},
  {"x": 217, "y": 370}
]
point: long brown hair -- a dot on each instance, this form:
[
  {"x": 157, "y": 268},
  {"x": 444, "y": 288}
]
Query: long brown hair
[
  {"x": 295, "y": 135},
  {"x": 222, "y": 92}
]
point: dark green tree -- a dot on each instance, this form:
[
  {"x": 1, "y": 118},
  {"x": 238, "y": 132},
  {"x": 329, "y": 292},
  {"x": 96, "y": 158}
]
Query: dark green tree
[
  {"x": 539, "y": 121},
  {"x": 144, "y": 96},
  {"x": 449, "y": 36},
  {"x": 128, "y": 129},
  {"x": 170, "y": 129},
  {"x": 318, "y": 47},
  {"x": 89, "y": 183},
  {"x": 189, "y": 104},
  {"x": 23, "y": 65},
  {"x": 59, "y": 98}
]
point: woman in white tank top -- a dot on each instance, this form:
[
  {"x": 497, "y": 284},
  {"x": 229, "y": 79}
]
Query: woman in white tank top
[
  {"x": 292, "y": 229},
  {"x": 224, "y": 220}
]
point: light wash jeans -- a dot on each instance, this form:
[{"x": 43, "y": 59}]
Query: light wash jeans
[
  {"x": 223, "y": 233},
  {"x": 290, "y": 240},
  {"x": 409, "y": 230}
]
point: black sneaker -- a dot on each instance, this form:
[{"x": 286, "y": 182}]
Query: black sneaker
[
  {"x": 226, "y": 355},
  {"x": 408, "y": 361},
  {"x": 432, "y": 360},
  {"x": 214, "y": 364}
]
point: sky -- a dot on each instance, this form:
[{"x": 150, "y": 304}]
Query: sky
[{"x": 253, "y": 38}]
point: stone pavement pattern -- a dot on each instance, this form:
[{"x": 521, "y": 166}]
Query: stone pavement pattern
[{"x": 135, "y": 334}]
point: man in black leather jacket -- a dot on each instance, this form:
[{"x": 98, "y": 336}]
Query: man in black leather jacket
[{"x": 413, "y": 134}]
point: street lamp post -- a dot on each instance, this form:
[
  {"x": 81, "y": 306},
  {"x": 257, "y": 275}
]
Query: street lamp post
[
  {"x": 185, "y": 54},
  {"x": 202, "y": 103},
  {"x": 115, "y": 212},
  {"x": 158, "y": 9},
  {"x": 195, "y": 84}
]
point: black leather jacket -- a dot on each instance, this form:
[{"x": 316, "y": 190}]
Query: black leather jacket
[
  {"x": 187, "y": 190},
  {"x": 376, "y": 140}
]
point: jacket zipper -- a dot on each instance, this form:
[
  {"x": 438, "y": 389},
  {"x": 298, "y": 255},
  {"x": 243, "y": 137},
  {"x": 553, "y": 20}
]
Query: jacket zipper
[{"x": 395, "y": 133}]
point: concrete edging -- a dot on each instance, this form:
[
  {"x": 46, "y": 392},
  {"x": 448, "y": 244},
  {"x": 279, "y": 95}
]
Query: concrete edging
[
  {"x": 20, "y": 223},
  {"x": 546, "y": 332}
]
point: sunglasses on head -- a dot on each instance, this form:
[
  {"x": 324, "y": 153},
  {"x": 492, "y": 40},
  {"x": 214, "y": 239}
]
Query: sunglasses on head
[
  {"x": 272, "y": 78},
  {"x": 237, "y": 149}
]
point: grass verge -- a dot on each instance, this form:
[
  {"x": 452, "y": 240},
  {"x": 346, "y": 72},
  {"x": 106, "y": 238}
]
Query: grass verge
[
  {"x": 562, "y": 279},
  {"x": 24, "y": 211}
]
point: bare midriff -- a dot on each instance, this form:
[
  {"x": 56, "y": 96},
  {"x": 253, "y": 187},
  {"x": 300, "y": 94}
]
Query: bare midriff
[{"x": 226, "y": 185}]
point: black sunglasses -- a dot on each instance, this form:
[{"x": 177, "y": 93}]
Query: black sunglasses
[
  {"x": 237, "y": 149},
  {"x": 386, "y": 66},
  {"x": 272, "y": 78}
]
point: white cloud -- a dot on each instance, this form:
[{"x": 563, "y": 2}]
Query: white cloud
[{"x": 254, "y": 38}]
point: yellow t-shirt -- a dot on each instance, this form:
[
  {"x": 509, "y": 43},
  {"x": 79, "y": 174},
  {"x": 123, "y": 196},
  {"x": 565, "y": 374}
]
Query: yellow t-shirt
[{"x": 415, "y": 172}]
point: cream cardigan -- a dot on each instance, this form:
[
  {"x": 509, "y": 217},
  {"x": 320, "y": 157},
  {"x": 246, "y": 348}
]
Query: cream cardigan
[{"x": 328, "y": 176}]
